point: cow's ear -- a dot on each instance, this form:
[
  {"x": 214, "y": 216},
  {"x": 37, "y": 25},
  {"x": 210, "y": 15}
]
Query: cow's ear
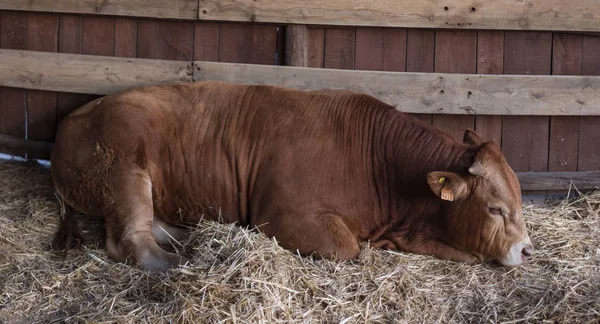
[
  {"x": 447, "y": 185},
  {"x": 471, "y": 137}
]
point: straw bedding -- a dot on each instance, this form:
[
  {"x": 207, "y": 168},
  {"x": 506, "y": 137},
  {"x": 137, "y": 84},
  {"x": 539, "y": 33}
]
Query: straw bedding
[{"x": 239, "y": 276}]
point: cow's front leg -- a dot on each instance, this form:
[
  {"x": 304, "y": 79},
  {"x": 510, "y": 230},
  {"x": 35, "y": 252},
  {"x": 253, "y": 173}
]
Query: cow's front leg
[
  {"x": 427, "y": 246},
  {"x": 323, "y": 235}
]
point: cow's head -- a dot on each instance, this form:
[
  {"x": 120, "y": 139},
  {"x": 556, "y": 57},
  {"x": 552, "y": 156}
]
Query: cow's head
[{"x": 483, "y": 215}]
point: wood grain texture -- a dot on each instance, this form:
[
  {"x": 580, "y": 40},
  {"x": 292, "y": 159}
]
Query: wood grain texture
[
  {"x": 69, "y": 41},
  {"x": 86, "y": 73},
  {"x": 316, "y": 47},
  {"x": 455, "y": 52},
  {"x": 420, "y": 92},
  {"x": 98, "y": 36},
  {"x": 256, "y": 44},
  {"x": 339, "y": 48},
  {"x": 167, "y": 40},
  {"x": 498, "y": 14},
  {"x": 589, "y": 131},
  {"x": 126, "y": 37},
  {"x": 380, "y": 49},
  {"x": 296, "y": 45},
  {"x": 420, "y": 52},
  {"x": 42, "y": 35},
  {"x": 13, "y": 34},
  {"x": 564, "y": 130},
  {"x": 411, "y": 92},
  {"x": 525, "y": 138},
  {"x": 490, "y": 60},
  {"x": 167, "y": 9},
  {"x": 21, "y": 147},
  {"x": 559, "y": 181},
  {"x": 206, "y": 42}
]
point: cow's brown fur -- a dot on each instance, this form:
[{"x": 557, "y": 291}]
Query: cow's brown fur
[{"x": 318, "y": 170}]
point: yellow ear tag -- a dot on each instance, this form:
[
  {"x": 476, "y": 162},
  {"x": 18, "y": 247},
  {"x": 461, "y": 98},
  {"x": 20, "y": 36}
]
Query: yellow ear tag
[
  {"x": 442, "y": 180},
  {"x": 447, "y": 194}
]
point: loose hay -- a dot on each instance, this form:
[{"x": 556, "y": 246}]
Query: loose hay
[{"x": 238, "y": 275}]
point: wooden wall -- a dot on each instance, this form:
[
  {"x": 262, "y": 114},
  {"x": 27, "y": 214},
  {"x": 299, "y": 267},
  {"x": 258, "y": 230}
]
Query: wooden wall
[
  {"x": 35, "y": 114},
  {"x": 531, "y": 143}
]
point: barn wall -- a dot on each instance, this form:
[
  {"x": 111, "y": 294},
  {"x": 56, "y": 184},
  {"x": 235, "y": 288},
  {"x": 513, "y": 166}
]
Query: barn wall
[
  {"x": 531, "y": 143},
  {"x": 35, "y": 114}
]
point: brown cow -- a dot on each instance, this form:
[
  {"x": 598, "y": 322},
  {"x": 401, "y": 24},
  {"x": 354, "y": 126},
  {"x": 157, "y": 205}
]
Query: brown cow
[{"x": 318, "y": 170}]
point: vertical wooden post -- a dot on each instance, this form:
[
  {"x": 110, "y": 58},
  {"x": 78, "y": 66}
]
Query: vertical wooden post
[{"x": 296, "y": 45}]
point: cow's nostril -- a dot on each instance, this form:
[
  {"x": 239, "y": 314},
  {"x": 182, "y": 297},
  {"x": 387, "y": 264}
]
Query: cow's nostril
[{"x": 527, "y": 250}]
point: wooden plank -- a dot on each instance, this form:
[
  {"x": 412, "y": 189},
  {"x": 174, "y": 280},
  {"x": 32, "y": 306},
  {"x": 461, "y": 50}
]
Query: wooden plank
[
  {"x": 380, "y": 49},
  {"x": 531, "y": 181},
  {"x": 168, "y": 40},
  {"x": 498, "y": 14},
  {"x": 167, "y": 9},
  {"x": 339, "y": 48},
  {"x": 98, "y": 36},
  {"x": 42, "y": 35},
  {"x": 256, "y": 44},
  {"x": 86, "y": 73},
  {"x": 525, "y": 138},
  {"x": 420, "y": 92},
  {"x": 490, "y": 60},
  {"x": 589, "y": 136},
  {"x": 410, "y": 92},
  {"x": 420, "y": 52},
  {"x": 564, "y": 130},
  {"x": 125, "y": 37},
  {"x": 13, "y": 34},
  {"x": 69, "y": 41},
  {"x": 206, "y": 42},
  {"x": 316, "y": 47},
  {"x": 22, "y": 147},
  {"x": 296, "y": 45},
  {"x": 455, "y": 52}
]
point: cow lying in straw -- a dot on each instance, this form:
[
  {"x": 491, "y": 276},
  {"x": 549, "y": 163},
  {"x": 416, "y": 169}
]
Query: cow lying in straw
[{"x": 320, "y": 171}]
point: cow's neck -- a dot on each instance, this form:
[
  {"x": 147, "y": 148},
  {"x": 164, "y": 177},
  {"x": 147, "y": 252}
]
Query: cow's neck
[{"x": 413, "y": 149}]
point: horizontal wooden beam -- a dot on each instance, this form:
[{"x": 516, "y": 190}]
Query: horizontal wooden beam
[
  {"x": 565, "y": 15},
  {"x": 167, "y": 9},
  {"x": 558, "y": 15},
  {"x": 85, "y": 73},
  {"x": 20, "y": 146},
  {"x": 431, "y": 93},
  {"x": 531, "y": 181}
]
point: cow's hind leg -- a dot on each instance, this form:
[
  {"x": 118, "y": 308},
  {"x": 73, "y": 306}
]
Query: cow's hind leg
[
  {"x": 323, "y": 235},
  {"x": 129, "y": 222}
]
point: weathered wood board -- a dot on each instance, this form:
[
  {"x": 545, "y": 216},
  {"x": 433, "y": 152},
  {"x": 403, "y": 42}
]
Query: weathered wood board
[
  {"x": 85, "y": 73},
  {"x": 167, "y": 9},
  {"x": 410, "y": 92},
  {"x": 584, "y": 15},
  {"x": 431, "y": 92},
  {"x": 532, "y": 181}
]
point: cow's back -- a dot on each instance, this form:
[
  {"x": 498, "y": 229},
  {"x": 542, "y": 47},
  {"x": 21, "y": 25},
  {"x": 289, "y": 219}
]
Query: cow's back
[{"x": 212, "y": 149}]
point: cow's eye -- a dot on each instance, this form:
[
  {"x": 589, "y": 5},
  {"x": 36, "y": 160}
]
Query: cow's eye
[{"x": 496, "y": 211}]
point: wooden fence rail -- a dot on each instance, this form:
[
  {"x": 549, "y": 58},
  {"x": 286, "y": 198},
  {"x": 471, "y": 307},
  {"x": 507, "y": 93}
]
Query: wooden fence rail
[
  {"x": 87, "y": 74},
  {"x": 436, "y": 93},
  {"x": 166, "y": 9},
  {"x": 564, "y": 15}
]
